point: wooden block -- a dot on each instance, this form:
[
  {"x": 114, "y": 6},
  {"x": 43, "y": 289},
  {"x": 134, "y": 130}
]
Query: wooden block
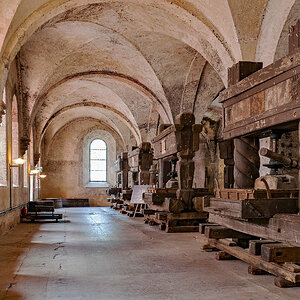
[
  {"x": 241, "y": 70},
  {"x": 255, "y": 245},
  {"x": 222, "y": 255},
  {"x": 208, "y": 247},
  {"x": 152, "y": 223},
  {"x": 244, "y": 243},
  {"x": 292, "y": 267},
  {"x": 162, "y": 226},
  {"x": 148, "y": 211},
  {"x": 254, "y": 260},
  {"x": 187, "y": 216},
  {"x": 161, "y": 216},
  {"x": 202, "y": 226},
  {"x": 280, "y": 253},
  {"x": 219, "y": 232},
  {"x": 182, "y": 229},
  {"x": 256, "y": 271},
  {"x": 283, "y": 283}
]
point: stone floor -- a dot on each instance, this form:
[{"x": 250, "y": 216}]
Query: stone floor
[{"x": 97, "y": 253}]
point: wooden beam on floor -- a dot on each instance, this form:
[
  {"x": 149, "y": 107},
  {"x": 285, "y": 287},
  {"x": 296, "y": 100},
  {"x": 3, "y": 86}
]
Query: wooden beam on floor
[
  {"x": 255, "y": 245},
  {"x": 280, "y": 253},
  {"x": 255, "y": 261},
  {"x": 220, "y": 232}
]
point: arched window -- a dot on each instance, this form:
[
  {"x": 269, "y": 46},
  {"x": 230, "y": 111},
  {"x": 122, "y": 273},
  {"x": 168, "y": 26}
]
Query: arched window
[
  {"x": 98, "y": 161},
  {"x": 3, "y": 157}
]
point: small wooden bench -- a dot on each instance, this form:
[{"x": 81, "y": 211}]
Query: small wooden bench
[{"x": 41, "y": 210}]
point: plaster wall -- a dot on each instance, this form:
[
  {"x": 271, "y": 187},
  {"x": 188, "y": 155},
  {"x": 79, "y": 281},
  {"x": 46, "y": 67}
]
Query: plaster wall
[
  {"x": 19, "y": 196},
  {"x": 67, "y": 161}
]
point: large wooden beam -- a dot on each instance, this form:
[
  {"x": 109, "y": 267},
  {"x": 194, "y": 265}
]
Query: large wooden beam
[
  {"x": 280, "y": 253},
  {"x": 219, "y": 232},
  {"x": 284, "y": 228}
]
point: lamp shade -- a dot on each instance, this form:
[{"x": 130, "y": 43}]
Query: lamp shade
[
  {"x": 19, "y": 161},
  {"x": 35, "y": 171}
]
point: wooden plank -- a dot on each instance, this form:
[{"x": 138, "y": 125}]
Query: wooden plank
[
  {"x": 278, "y": 71},
  {"x": 256, "y": 271},
  {"x": 202, "y": 226},
  {"x": 173, "y": 229},
  {"x": 222, "y": 255},
  {"x": 187, "y": 216},
  {"x": 292, "y": 267},
  {"x": 253, "y": 208},
  {"x": 256, "y": 261},
  {"x": 281, "y": 230},
  {"x": 219, "y": 232},
  {"x": 147, "y": 211},
  {"x": 283, "y": 283},
  {"x": 255, "y": 245},
  {"x": 280, "y": 253}
]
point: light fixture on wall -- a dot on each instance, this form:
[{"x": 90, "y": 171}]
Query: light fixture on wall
[
  {"x": 37, "y": 172},
  {"x": 19, "y": 161},
  {"x": 16, "y": 163},
  {"x": 40, "y": 176}
]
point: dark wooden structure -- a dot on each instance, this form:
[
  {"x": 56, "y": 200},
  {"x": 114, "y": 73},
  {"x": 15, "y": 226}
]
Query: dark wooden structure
[
  {"x": 172, "y": 204},
  {"x": 42, "y": 210},
  {"x": 260, "y": 105},
  {"x": 140, "y": 161},
  {"x": 121, "y": 169},
  {"x": 68, "y": 202},
  {"x": 137, "y": 166}
]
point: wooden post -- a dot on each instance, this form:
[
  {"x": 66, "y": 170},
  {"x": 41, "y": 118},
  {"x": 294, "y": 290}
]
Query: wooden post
[
  {"x": 246, "y": 162},
  {"x": 185, "y": 155},
  {"x": 299, "y": 170},
  {"x": 226, "y": 153},
  {"x": 145, "y": 161}
]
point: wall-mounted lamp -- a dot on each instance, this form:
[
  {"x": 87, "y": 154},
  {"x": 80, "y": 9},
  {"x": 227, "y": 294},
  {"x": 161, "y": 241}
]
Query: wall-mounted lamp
[
  {"x": 34, "y": 172},
  {"x": 40, "y": 176},
  {"x": 19, "y": 161},
  {"x": 16, "y": 163}
]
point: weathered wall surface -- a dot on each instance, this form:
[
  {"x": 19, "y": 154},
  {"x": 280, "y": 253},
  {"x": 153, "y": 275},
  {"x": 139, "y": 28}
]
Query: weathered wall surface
[
  {"x": 19, "y": 196},
  {"x": 66, "y": 160}
]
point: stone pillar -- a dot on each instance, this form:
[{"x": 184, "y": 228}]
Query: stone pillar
[{"x": 246, "y": 162}]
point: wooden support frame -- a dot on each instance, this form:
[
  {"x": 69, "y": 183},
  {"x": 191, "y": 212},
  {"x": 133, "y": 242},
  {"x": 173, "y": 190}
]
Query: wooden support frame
[{"x": 256, "y": 261}]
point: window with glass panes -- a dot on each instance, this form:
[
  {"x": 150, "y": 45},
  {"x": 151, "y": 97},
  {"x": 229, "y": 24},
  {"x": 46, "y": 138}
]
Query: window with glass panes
[{"x": 98, "y": 160}]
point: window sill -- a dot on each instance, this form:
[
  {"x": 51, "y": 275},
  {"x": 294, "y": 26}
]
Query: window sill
[{"x": 97, "y": 184}]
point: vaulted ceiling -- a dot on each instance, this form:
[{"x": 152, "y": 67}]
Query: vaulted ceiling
[{"x": 133, "y": 63}]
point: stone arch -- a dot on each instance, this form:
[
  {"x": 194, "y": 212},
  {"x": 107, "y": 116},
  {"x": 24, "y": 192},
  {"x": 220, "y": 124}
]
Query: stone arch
[{"x": 276, "y": 14}]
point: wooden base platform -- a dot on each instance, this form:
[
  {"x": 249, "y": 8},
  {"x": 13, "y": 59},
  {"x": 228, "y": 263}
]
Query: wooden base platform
[
  {"x": 263, "y": 256},
  {"x": 43, "y": 216},
  {"x": 179, "y": 222},
  {"x": 117, "y": 206},
  {"x": 282, "y": 227}
]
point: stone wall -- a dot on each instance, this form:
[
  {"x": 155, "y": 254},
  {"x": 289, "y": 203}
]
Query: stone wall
[{"x": 65, "y": 160}]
